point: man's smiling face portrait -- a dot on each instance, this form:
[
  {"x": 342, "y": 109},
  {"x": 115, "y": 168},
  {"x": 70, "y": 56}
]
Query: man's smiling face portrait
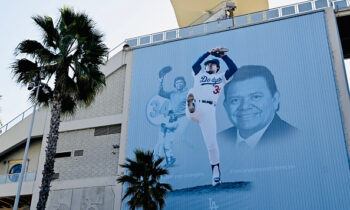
[{"x": 250, "y": 104}]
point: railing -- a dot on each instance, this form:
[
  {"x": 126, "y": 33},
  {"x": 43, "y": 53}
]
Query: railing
[
  {"x": 16, "y": 120},
  {"x": 11, "y": 178},
  {"x": 237, "y": 21},
  {"x": 115, "y": 49}
]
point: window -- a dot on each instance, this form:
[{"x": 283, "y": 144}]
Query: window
[
  {"x": 62, "y": 154},
  {"x": 56, "y": 176},
  {"x": 78, "y": 152},
  {"x": 107, "y": 130},
  {"x": 14, "y": 172}
]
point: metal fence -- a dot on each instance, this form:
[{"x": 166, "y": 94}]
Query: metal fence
[
  {"x": 237, "y": 21},
  {"x": 12, "y": 178},
  {"x": 16, "y": 120}
]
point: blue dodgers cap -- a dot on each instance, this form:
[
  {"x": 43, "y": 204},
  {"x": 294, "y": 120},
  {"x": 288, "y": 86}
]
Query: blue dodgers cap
[{"x": 214, "y": 61}]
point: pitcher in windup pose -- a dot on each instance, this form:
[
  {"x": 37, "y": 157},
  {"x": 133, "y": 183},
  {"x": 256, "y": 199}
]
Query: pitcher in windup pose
[{"x": 202, "y": 98}]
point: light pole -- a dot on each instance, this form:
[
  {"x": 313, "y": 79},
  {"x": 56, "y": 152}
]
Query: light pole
[
  {"x": 35, "y": 84},
  {"x": 229, "y": 10}
]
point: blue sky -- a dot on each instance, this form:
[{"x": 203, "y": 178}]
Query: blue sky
[{"x": 118, "y": 19}]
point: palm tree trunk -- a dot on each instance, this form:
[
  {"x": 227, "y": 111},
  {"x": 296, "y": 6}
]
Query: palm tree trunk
[{"x": 50, "y": 153}]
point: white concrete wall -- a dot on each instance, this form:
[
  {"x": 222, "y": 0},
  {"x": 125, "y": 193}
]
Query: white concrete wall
[
  {"x": 339, "y": 71},
  {"x": 108, "y": 102},
  {"x": 101, "y": 198},
  {"x": 99, "y": 158},
  {"x": 10, "y": 189},
  {"x": 129, "y": 59}
]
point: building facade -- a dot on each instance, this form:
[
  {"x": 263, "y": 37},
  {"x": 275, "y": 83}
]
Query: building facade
[{"x": 93, "y": 142}]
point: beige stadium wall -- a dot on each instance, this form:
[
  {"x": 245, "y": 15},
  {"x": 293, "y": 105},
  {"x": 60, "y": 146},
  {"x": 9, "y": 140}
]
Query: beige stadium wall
[
  {"x": 33, "y": 157},
  {"x": 188, "y": 11},
  {"x": 10, "y": 189},
  {"x": 18, "y": 134}
]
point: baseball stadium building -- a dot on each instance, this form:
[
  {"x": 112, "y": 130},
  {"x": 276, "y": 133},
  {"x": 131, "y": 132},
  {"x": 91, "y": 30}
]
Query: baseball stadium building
[{"x": 96, "y": 140}]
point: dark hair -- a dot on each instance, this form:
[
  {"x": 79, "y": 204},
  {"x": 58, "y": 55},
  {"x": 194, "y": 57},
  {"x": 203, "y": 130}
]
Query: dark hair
[
  {"x": 250, "y": 71},
  {"x": 213, "y": 61},
  {"x": 180, "y": 78}
]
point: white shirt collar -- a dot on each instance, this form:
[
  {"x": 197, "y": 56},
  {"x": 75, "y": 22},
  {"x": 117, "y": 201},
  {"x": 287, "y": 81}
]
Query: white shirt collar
[{"x": 252, "y": 140}]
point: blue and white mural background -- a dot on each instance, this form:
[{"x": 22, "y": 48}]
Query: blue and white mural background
[{"x": 306, "y": 170}]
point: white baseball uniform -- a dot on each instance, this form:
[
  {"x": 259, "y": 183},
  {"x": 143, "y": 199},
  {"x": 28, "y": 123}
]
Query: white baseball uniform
[{"x": 206, "y": 91}]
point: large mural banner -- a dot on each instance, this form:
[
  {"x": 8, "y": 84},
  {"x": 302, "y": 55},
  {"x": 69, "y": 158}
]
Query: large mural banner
[{"x": 244, "y": 119}]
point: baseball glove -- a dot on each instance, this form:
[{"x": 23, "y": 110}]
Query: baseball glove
[
  {"x": 164, "y": 71},
  {"x": 218, "y": 51}
]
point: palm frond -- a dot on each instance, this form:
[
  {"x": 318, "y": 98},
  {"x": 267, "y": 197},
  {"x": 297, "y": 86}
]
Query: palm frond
[
  {"x": 50, "y": 69},
  {"x": 157, "y": 163},
  {"x": 127, "y": 179},
  {"x": 94, "y": 46},
  {"x": 161, "y": 171},
  {"x": 83, "y": 27},
  {"x": 43, "y": 97},
  {"x": 135, "y": 191},
  {"x": 50, "y": 35},
  {"x": 89, "y": 84},
  {"x": 165, "y": 186},
  {"x": 24, "y": 70},
  {"x": 35, "y": 50},
  {"x": 69, "y": 106},
  {"x": 67, "y": 16}
]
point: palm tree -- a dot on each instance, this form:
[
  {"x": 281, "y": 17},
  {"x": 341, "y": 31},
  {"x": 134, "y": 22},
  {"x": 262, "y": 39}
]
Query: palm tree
[
  {"x": 71, "y": 52},
  {"x": 142, "y": 178}
]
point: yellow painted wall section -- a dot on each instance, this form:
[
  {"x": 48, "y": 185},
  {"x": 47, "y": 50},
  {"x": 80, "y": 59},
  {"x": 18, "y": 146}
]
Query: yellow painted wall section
[{"x": 187, "y": 11}]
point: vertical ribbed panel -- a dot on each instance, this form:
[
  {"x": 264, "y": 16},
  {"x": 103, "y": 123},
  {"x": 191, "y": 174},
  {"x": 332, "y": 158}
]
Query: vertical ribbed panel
[{"x": 303, "y": 169}]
